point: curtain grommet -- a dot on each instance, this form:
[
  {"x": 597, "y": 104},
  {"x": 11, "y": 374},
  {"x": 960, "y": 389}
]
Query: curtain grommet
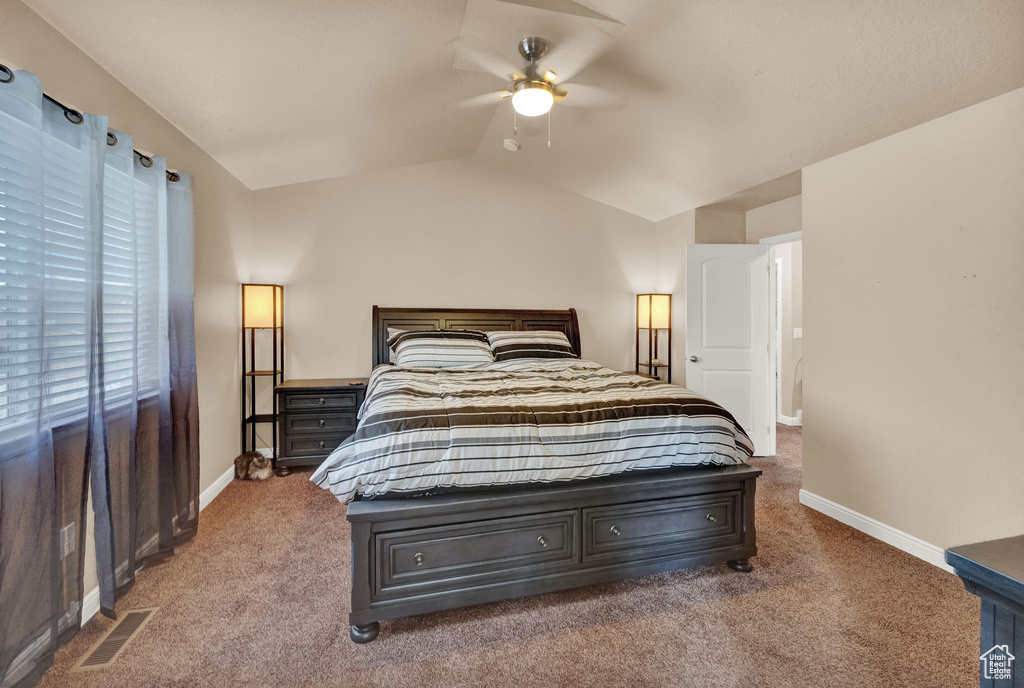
[
  {"x": 9, "y": 72},
  {"x": 111, "y": 138},
  {"x": 145, "y": 160},
  {"x": 70, "y": 116},
  {"x": 173, "y": 176}
]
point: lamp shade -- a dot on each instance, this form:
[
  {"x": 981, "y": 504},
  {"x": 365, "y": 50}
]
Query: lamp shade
[
  {"x": 654, "y": 311},
  {"x": 262, "y": 305},
  {"x": 532, "y": 98}
]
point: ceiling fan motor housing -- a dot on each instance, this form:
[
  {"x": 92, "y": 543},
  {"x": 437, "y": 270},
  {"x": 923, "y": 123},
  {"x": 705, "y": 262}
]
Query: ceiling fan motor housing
[{"x": 533, "y": 48}]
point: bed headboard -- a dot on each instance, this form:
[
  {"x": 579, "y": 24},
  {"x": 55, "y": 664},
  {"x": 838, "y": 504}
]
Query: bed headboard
[{"x": 469, "y": 319}]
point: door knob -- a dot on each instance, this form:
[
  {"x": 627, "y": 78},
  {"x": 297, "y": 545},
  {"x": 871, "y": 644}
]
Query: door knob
[{"x": 694, "y": 359}]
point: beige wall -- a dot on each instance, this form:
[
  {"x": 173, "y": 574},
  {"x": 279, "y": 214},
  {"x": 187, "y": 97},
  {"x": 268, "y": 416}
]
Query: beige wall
[
  {"x": 446, "y": 234},
  {"x": 719, "y": 226},
  {"x": 672, "y": 235},
  {"x": 914, "y": 358},
  {"x": 223, "y": 215},
  {"x": 781, "y": 217}
]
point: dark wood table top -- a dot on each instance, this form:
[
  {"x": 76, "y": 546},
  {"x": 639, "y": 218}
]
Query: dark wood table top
[
  {"x": 996, "y": 564},
  {"x": 324, "y": 383}
]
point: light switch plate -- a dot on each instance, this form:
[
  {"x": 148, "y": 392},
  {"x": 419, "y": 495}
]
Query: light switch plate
[
  {"x": 67, "y": 540},
  {"x": 798, "y": 333}
]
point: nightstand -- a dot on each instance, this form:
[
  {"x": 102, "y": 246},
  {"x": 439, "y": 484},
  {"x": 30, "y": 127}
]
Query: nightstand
[{"x": 314, "y": 417}]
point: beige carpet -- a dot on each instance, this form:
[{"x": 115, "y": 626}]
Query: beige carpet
[{"x": 260, "y": 598}]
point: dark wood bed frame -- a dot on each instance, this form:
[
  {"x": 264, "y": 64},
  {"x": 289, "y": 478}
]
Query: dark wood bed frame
[{"x": 424, "y": 554}]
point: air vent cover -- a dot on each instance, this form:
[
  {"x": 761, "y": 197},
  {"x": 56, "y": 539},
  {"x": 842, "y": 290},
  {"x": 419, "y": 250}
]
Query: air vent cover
[{"x": 110, "y": 646}]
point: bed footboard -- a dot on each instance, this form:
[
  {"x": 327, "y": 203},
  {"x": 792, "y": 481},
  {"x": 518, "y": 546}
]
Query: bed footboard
[{"x": 413, "y": 556}]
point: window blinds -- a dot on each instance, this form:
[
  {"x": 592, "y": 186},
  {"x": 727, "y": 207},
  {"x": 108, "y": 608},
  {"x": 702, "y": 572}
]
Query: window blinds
[{"x": 44, "y": 269}]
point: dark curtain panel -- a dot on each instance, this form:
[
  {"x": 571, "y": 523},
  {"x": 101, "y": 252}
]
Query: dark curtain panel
[
  {"x": 50, "y": 176},
  {"x": 184, "y": 385},
  {"x": 29, "y": 589},
  {"x": 151, "y": 469},
  {"x": 97, "y": 369}
]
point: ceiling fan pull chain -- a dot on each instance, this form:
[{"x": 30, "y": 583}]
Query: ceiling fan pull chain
[
  {"x": 515, "y": 123},
  {"x": 549, "y": 129}
]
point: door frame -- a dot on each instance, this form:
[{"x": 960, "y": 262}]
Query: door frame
[{"x": 775, "y": 336}]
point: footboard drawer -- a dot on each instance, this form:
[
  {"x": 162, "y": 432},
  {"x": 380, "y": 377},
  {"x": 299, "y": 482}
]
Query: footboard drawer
[
  {"x": 662, "y": 527},
  {"x": 446, "y": 557}
]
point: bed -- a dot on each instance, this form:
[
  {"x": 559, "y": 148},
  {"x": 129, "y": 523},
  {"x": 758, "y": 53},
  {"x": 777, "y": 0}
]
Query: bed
[{"x": 448, "y": 513}]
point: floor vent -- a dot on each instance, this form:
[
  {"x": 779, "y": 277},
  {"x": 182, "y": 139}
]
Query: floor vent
[{"x": 110, "y": 646}]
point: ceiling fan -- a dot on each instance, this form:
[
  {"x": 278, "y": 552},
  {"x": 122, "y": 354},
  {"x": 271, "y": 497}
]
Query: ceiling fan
[
  {"x": 534, "y": 89},
  {"x": 533, "y": 92}
]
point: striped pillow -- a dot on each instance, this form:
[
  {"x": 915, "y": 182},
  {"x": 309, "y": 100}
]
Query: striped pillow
[
  {"x": 534, "y": 344},
  {"x": 441, "y": 349},
  {"x": 392, "y": 331}
]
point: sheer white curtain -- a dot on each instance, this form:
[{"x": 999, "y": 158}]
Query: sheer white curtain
[{"x": 91, "y": 333}]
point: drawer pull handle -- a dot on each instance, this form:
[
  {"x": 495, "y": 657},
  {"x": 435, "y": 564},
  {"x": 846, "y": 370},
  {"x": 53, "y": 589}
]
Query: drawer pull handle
[
  {"x": 711, "y": 517},
  {"x": 615, "y": 530},
  {"x": 321, "y": 423},
  {"x": 418, "y": 558},
  {"x": 542, "y": 541},
  {"x": 321, "y": 445},
  {"x": 322, "y": 400}
]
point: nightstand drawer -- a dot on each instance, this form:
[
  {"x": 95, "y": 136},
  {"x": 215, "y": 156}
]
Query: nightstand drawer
[
  {"x": 312, "y": 445},
  {"x": 322, "y": 400},
  {"x": 320, "y": 423}
]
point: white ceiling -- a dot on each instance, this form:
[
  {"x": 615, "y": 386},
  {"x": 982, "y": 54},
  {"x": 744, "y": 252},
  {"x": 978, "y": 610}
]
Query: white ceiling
[{"x": 718, "y": 96}]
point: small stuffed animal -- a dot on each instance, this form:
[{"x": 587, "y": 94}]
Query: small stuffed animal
[{"x": 252, "y": 466}]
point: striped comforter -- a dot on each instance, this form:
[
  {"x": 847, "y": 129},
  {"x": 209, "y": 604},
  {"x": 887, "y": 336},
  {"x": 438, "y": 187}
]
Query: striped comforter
[{"x": 523, "y": 421}]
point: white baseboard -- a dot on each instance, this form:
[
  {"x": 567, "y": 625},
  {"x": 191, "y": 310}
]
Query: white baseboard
[
  {"x": 876, "y": 529},
  {"x": 213, "y": 490},
  {"x": 91, "y": 601},
  {"x": 790, "y": 420},
  {"x": 90, "y": 604}
]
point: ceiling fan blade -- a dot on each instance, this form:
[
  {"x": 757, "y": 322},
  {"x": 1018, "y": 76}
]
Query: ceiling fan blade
[
  {"x": 587, "y": 96},
  {"x": 492, "y": 98},
  {"x": 573, "y": 54},
  {"x": 483, "y": 58}
]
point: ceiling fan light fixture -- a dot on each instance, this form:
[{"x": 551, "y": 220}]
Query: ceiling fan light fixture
[{"x": 532, "y": 98}]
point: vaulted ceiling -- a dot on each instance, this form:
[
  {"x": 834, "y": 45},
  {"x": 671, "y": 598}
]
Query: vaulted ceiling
[{"x": 713, "y": 97}]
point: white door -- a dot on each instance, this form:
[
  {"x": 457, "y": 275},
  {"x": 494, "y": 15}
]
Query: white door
[{"x": 729, "y": 356}]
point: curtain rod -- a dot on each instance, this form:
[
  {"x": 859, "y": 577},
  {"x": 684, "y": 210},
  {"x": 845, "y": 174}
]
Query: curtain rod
[{"x": 75, "y": 117}]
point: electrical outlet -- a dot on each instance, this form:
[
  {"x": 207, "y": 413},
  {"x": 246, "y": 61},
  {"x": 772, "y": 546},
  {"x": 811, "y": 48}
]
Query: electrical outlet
[
  {"x": 67, "y": 540},
  {"x": 798, "y": 333}
]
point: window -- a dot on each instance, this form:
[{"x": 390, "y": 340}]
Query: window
[
  {"x": 48, "y": 283},
  {"x": 43, "y": 294}
]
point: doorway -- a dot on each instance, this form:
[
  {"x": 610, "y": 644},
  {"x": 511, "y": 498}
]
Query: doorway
[{"x": 786, "y": 260}]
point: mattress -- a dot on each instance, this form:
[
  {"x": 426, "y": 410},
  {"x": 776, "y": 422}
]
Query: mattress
[{"x": 423, "y": 430}]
